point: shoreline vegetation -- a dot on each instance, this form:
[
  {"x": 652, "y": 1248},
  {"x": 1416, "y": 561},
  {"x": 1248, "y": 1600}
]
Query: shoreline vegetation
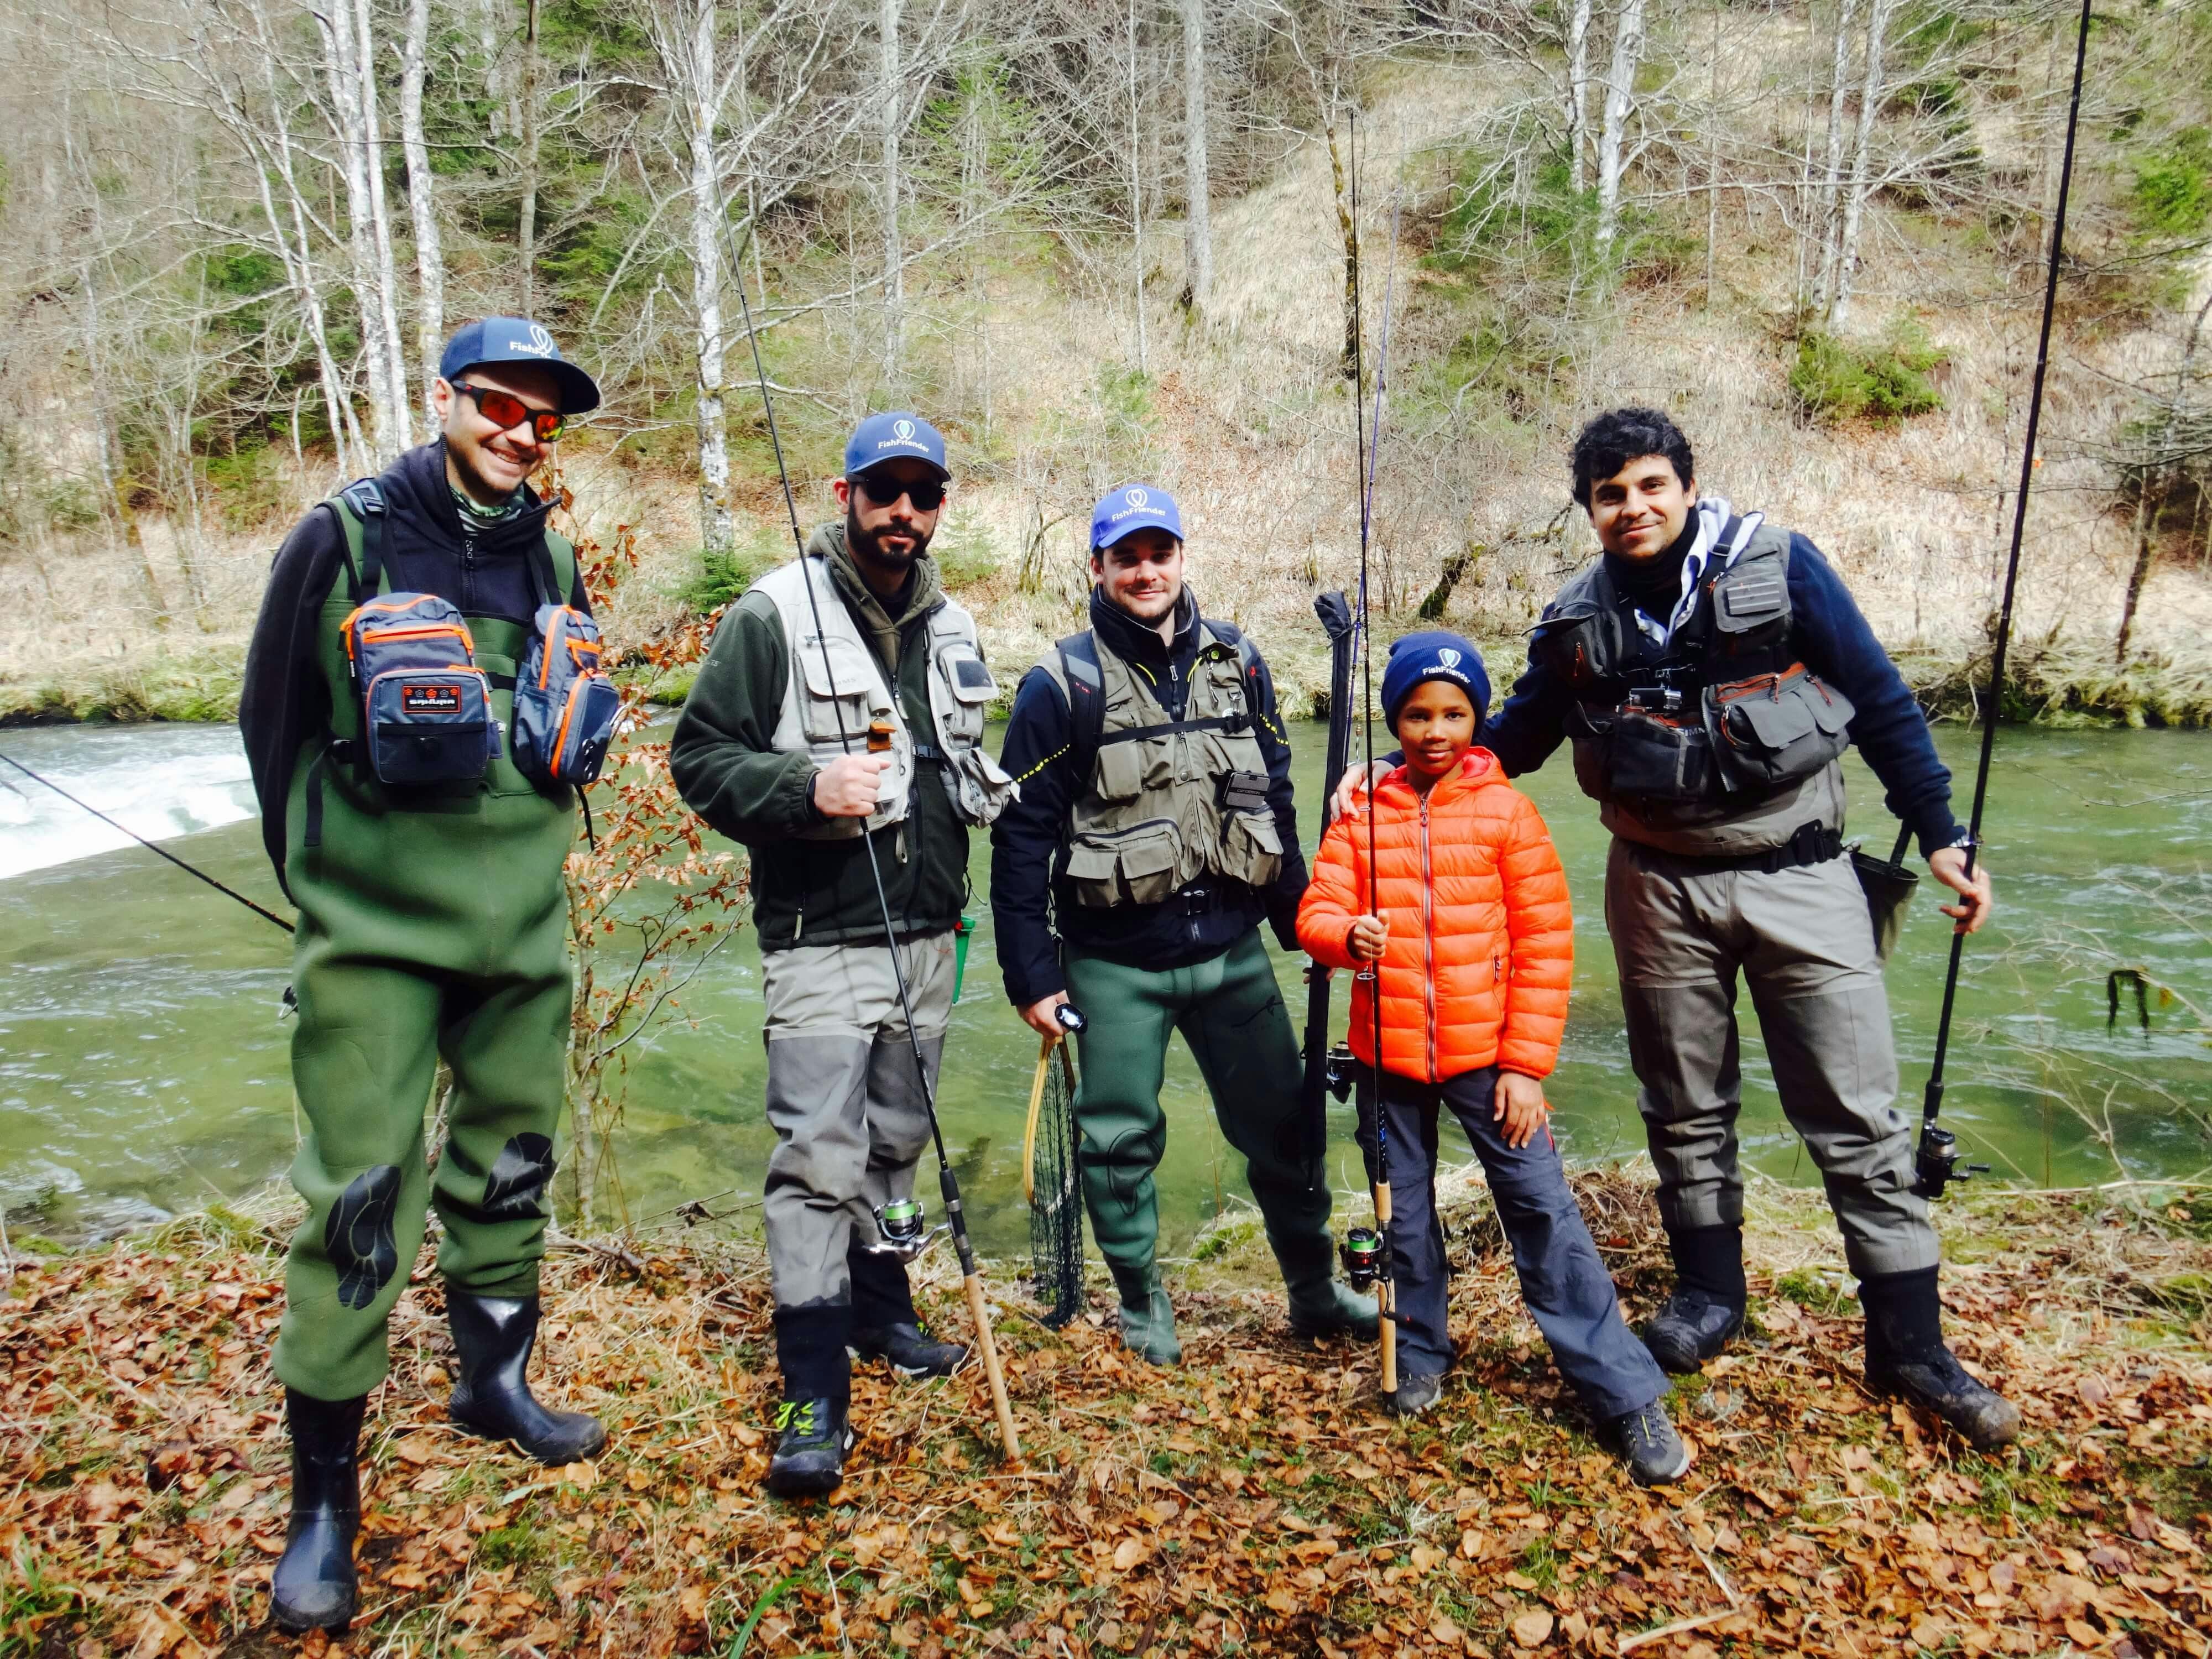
[{"x": 1254, "y": 1500}]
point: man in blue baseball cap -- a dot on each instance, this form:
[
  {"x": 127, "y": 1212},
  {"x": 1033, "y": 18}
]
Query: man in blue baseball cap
[
  {"x": 432, "y": 923},
  {"x": 1154, "y": 832},
  {"x": 774, "y": 749}
]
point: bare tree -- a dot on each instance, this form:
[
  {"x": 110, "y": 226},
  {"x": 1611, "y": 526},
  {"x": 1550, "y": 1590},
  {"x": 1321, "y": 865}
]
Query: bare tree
[
  {"x": 421, "y": 202},
  {"x": 526, "y": 223},
  {"x": 350, "y": 58},
  {"x": 1198, "y": 230},
  {"x": 1578, "y": 28},
  {"x": 893, "y": 120},
  {"x": 1619, "y": 96}
]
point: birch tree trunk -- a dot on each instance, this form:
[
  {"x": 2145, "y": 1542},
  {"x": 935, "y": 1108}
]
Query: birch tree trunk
[
  {"x": 1136, "y": 191},
  {"x": 526, "y": 229},
  {"x": 1578, "y": 23},
  {"x": 1619, "y": 96},
  {"x": 1348, "y": 232},
  {"x": 1831, "y": 176},
  {"x": 1198, "y": 227},
  {"x": 379, "y": 228},
  {"x": 701, "y": 95},
  {"x": 346, "y": 58},
  {"x": 421, "y": 202},
  {"x": 1847, "y": 239},
  {"x": 894, "y": 111}
]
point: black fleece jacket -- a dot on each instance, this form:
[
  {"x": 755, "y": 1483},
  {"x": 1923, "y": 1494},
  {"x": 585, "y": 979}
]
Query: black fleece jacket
[
  {"x": 1028, "y": 842},
  {"x": 427, "y": 550}
]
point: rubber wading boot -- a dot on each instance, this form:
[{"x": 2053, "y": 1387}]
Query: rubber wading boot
[
  {"x": 814, "y": 1438},
  {"x": 1906, "y": 1357},
  {"x": 493, "y": 1336},
  {"x": 1147, "y": 1316},
  {"x": 907, "y": 1351},
  {"x": 1705, "y": 1310},
  {"x": 1319, "y": 1306},
  {"x": 314, "y": 1587},
  {"x": 1647, "y": 1442}
]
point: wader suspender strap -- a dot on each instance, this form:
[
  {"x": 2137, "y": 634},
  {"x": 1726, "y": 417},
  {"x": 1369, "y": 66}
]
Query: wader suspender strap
[{"x": 363, "y": 505}]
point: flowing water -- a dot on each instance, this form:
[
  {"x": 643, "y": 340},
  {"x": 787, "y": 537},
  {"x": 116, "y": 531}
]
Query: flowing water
[{"x": 143, "y": 1066}]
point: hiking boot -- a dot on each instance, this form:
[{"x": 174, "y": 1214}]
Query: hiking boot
[
  {"x": 1332, "y": 1309},
  {"x": 1690, "y": 1327},
  {"x": 1705, "y": 1312},
  {"x": 1147, "y": 1316},
  {"x": 1415, "y": 1395},
  {"x": 815, "y": 1438},
  {"x": 907, "y": 1351},
  {"x": 1907, "y": 1358},
  {"x": 1645, "y": 1440},
  {"x": 493, "y": 1336},
  {"x": 314, "y": 1587}
]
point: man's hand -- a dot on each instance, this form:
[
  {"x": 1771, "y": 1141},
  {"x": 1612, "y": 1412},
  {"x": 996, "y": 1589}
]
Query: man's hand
[
  {"x": 1039, "y": 1015},
  {"x": 846, "y": 788},
  {"x": 1948, "y": 865},
  {"x": 1367, "y": 937},
  {"x": 1519, "y": 1104},
  {"x": 1351, "y": 785}
]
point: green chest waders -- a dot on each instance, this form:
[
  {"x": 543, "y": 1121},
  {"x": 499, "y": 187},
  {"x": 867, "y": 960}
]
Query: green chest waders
[{"x": 433, "y": 921}]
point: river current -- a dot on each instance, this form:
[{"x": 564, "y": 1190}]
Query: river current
[{"x": 144, "y": 1065}]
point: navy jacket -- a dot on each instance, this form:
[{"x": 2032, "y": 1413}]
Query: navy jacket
[
  {"x": 1028, "y": 842},
  {"x": 1830, "y": 633}
]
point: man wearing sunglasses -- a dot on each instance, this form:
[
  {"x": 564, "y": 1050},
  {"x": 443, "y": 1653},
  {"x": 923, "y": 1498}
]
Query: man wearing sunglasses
[
  {"x": 433, "y": 924},
  {"x": 845, "y": 695}
]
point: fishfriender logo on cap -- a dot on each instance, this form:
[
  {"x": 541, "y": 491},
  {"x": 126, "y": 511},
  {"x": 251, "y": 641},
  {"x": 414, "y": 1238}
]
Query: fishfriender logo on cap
[
  {"x": 1447, "y": 657},
  {"x": 539, "y": 344},
  {"x": 1137, "y": 498},
  {"x": 903, "y": 430}
]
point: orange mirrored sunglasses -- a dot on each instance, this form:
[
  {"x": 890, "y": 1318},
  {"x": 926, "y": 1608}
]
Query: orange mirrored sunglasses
[{"x": 506, "y": 411}]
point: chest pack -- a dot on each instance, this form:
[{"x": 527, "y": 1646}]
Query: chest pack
[
  {"x": 1723, "y": 713},
  {"x": 565, "y": 705}
]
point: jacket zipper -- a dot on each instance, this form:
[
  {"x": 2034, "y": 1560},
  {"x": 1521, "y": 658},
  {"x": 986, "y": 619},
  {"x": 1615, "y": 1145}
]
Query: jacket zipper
[{"x": 1428, "y": 943}]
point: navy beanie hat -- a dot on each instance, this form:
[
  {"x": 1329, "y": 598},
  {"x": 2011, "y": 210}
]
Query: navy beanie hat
[{"x": 1434, "y": 653}]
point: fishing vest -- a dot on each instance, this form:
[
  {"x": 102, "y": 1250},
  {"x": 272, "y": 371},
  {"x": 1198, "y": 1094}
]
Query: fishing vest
[
  {"x": 1719, "y": 743},
  {"x": 1165, "y": 801},
  {"x": 836, "y": 691}
]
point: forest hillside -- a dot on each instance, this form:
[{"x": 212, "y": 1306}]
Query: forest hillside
[{"x": 1096, "y": 245}]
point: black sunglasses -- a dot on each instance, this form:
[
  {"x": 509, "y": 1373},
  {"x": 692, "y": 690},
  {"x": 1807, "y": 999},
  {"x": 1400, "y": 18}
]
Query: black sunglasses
[{"x": 926, "y": 496}]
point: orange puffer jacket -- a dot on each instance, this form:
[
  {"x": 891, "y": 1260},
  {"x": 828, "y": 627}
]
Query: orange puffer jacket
[{"x": 1481, "y": 950}]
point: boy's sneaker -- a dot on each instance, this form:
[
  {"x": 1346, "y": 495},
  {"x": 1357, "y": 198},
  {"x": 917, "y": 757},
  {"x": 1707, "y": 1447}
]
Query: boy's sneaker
[
  {"x": 1647, "y": 1442},
  {"x": 1416, "y": 1394},
  {"x": 816, "y": 1437},
  {"x": 907, "y": 1351}
]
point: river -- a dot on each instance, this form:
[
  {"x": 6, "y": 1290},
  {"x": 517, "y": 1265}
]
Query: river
[{"x": 142, "y": 1061}]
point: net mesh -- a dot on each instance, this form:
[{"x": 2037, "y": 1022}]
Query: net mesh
[{"x": 1056, "y": 1193}]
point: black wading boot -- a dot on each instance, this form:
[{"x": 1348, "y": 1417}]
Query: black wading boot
[
  {"x": 884, "y": 1325},
  {"x": 904, "y": 1348},
  {"x": 1906, "y": 1357},
  {"x": 1705, "y": 1312},
  {"x": 314, "y": 1587},
  {"x": 492, "y": 1338},
  {"x": 814, "y": 1438}
]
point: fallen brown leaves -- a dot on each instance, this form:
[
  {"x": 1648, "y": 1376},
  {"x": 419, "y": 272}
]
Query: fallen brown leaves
[{"x": 1254, "y": 1501}]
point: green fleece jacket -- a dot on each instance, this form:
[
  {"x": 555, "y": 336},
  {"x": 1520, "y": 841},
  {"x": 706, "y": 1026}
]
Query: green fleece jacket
[{"x": 730, "y": 774}]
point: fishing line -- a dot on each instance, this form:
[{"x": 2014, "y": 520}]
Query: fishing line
[
  {"x": 188, "y": 869},
  {"x": 1936, "y": 1161},
  {"x": 948, "y": 1184}
]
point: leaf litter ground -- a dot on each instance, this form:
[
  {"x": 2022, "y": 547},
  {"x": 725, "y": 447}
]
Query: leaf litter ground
[{"x": 1254, "y": 1501}]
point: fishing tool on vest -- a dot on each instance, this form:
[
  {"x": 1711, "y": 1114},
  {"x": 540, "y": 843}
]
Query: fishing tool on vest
[
  {"x": 1935, "y": 1163},
  {"x": 190, "y": 870},
  {"x": 1051, "y": 1178},
  {"x": 1323, "y": 1077},
  {"x": 1368, "y": 438},
  {"x": 948, "y": 1184}
]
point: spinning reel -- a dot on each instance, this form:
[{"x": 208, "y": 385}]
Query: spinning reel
[
  {"x": 1362, "y": 1251},
  {"x": 905, "y": 1231},
  {"x": 1935, "y": 1163}
]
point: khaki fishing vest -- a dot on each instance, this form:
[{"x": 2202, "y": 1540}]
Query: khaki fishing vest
[
  {"x": 828, "y": 705},
  {"x": 1168, "y": 801}
]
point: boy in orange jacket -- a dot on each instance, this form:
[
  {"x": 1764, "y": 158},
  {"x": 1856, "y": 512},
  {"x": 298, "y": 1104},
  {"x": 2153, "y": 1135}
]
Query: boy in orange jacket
[{"x": 1472, "y": 931}]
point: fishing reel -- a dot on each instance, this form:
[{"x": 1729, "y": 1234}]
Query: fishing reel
[
  {"x": 1069, "y": 1017},
  {"x": 904, "y": 1229},
  {"x": 1362, "y": 1251},
  {"x": 1935, "y": 1163},
  {"x": 1339, "y": 1070}
]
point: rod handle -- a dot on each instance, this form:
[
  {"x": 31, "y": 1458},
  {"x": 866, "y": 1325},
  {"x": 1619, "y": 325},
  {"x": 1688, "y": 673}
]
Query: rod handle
[
  {"x": 997, "y": 1378},
  {"x": 1386, "y": 1291}
]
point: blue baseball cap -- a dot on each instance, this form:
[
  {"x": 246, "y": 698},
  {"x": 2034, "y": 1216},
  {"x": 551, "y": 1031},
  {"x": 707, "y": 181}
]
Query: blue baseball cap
[
  {"x": 518, "y": 340},
  {"x": 883, "y": 438},
  {"x": 1130, "y": 508},
  {"x": 1434, "y": 653}
]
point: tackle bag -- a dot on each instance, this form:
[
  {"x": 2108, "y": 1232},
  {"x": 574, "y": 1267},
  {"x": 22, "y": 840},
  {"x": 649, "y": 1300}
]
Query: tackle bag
[
  {"x": 426, "y": 713},
  {"x": 565, "y": 707}
]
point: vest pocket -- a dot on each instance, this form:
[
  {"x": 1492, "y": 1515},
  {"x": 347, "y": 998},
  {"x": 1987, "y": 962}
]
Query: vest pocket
[
  {"x": 853, "y": 677},
  {"x": 1251, "y": 850},
  {"x": 1127, "y": 866},
  {"x": 1119, "y": 774},
  {"x": 1654, "y": 757},
  {"x": 1775, "y": 729}
]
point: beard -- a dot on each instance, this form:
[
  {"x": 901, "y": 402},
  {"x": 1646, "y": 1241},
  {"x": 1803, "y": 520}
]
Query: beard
[{"x": 867, "y": 550}]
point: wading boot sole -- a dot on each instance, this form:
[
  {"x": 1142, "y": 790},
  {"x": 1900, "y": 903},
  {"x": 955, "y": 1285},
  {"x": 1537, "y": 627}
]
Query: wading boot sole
[{"x": 1690, "y": 1328}]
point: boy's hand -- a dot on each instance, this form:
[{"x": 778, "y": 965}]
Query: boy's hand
[
  {"x": 1519, "y": 1104},
  {"x": 1367, "y": 937}
]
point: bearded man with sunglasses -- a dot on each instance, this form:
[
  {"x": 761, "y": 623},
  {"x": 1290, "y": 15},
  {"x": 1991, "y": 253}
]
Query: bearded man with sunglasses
[
  {"x": 844, "y": 696},
  {"x": 432, "y": 924}
]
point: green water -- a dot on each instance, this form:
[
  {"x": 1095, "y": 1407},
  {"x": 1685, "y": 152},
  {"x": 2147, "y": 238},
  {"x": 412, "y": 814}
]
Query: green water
[{"x": 143, "y": 1065}]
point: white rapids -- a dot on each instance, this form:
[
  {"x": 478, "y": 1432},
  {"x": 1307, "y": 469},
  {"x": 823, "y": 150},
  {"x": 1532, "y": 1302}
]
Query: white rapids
[{"x": 160, "y": 780}]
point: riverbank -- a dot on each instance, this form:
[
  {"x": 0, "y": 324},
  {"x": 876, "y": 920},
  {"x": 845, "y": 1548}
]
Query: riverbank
[{"x": 1253, "y": 1501}]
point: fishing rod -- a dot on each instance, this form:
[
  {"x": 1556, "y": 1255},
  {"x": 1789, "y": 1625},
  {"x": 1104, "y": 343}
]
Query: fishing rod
[
  {"x": 190, "y": 870},
  {"x": 948, "y": 1184},
  {"x": 1935, "y": 1162}
]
